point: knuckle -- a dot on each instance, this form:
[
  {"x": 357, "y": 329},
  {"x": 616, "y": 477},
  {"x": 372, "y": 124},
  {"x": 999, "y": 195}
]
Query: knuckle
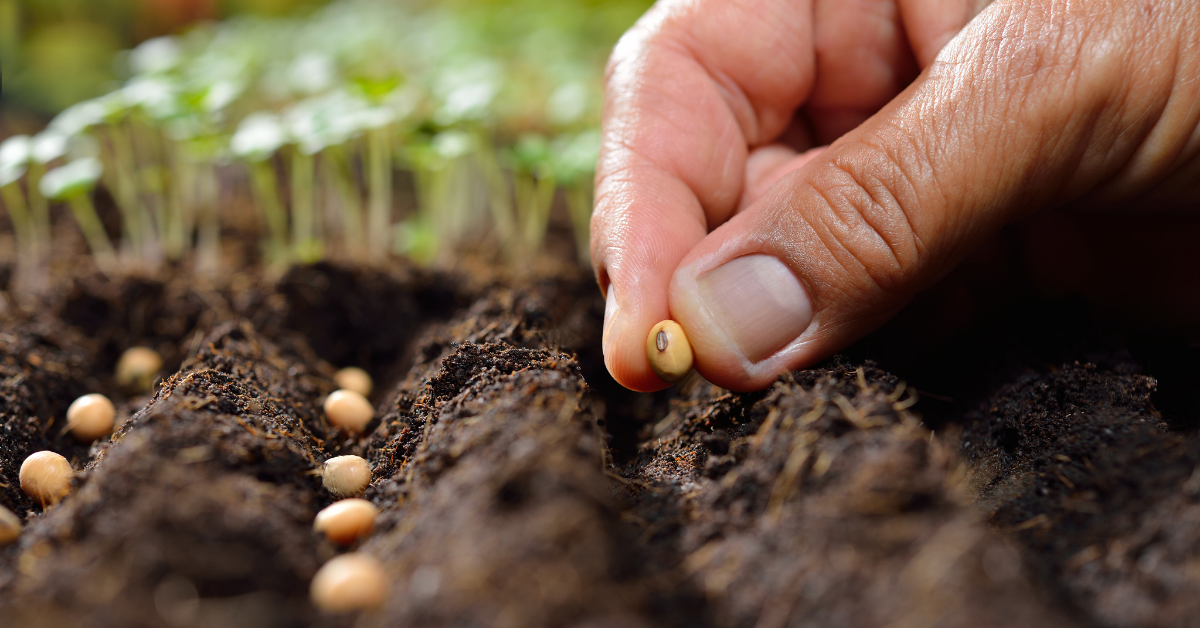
[{"x": 867, "y": 220}]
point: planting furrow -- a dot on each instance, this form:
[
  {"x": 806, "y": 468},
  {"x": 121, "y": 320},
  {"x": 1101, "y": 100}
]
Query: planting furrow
[{"x": 198, "y": 513}]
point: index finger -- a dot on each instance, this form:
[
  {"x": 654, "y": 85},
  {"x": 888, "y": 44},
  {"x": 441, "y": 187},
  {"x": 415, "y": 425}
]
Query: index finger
[{"x": 689, "y": 89}]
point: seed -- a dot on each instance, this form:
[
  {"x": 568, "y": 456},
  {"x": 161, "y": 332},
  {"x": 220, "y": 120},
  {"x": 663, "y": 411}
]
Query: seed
[
  {"x": 354, "y": 378},
  {"x": 46, "y": 477},
  {"x": 668, "y": 351},
  {"x": 90, "y": 417},
  {"x": 10, "y": 526},
  {"x": 349, "y": 582},
  {"x": 348, "y": 410},
  {"x": 346, "y": 521},
  {"x": 346, "y": 476},
  {"x": 137, "y": 368}
]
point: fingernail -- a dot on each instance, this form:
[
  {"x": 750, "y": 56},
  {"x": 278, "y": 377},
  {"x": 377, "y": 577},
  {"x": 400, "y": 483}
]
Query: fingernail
[
  {"x": 759, "y": 303},
  {"x": 610, "y": 314}
]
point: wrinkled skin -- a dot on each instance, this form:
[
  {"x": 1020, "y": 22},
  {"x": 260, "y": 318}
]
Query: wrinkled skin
[{"x": 874, "y": 146}]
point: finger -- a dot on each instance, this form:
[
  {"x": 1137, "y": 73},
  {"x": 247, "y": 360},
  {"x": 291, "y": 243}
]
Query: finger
[
  {"x": 767, "y": 165},
  {"x": 863, "y": 60},
  {"x": 1032, "y": 105},
  {"x": 684, "y": 101},
  {"x": 931, "y": 24}
]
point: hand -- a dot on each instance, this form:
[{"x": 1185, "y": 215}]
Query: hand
[{"x": 783, "y": 176}]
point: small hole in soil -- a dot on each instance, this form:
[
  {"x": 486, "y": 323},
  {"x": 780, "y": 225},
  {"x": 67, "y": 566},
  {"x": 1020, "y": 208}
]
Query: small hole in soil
[{"x": 513, "y": 493}]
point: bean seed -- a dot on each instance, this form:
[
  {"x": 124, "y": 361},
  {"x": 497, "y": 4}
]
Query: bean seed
[
  {"x": 669, "y": 352},
  {"x": 46, "y": 477},
  {"x": 349, "y": 582}
]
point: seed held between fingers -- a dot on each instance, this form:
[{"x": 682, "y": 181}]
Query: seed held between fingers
[
  {"x": 346, "y": 521},
  {"x": 10, "y": 526},
  {"x": 669, "y": 352},
  {"x": 349, "y": 582},
  {"x": 90, "y": 417},
  {"x": 46, "y": 477},
  {"x": 354, "y": 378},
  {"x": 346, "y": 476},
  {"x": 348, "y": 410}
]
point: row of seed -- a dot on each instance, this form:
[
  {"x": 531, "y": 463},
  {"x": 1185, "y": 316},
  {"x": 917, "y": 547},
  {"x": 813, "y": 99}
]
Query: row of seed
[{"x": 348, "y": 582}]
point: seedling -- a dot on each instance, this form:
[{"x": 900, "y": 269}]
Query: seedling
[
  {"x": 73, "y": 183},
  {"x": 14, "y": 161},
  {"x": 346, "y": 521},
  {"x": 349, "y": 582},
  {"x": 10, "y": 526},
  {"x": 345, "y": 476},
  {"x": 348, "y": 410},
  {"x": 354, "y": 378},
  {"x": 46, "y": 477},
  {"x": 668, "y": 351},
  {"x": 257, "y": 139},
  {"x": 90, "y": 417},
  {"x": 137, "y": 368}
]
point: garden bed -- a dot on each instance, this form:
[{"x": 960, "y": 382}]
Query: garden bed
[{"x": 519, "y": 486}]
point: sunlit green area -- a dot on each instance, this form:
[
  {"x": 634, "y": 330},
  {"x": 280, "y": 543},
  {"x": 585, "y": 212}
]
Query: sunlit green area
[{"x": 317, "y": 119}]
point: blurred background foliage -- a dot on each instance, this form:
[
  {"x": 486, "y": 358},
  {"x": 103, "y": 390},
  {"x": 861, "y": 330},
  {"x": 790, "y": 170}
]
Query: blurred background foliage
[
  {"x": 55, "y": 53},
  {"x": 356, "y": 129}
]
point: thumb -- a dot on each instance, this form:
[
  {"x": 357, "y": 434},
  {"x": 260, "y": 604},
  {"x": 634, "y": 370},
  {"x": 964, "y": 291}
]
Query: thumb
[{"x": 1033, "y": 105}]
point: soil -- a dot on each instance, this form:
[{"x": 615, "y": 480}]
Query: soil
[{"x": 1035, "y": 471}]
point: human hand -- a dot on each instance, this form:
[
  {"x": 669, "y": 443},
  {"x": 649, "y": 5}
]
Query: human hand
[{"x": 783, "y": 176}]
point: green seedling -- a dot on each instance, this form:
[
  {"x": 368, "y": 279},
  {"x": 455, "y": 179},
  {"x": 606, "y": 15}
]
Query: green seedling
[
  {"x": 533, "y": 171},
  {"x": 73, "y": 183},
  {"x": 575, "y": 165},
  {"x": 257, "y": 139},
  {"x": 14, "y": 161}
]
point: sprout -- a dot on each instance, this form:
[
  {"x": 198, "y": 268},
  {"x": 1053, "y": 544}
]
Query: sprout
[
  {"x": 258, "y": 137},
  {"x": 48, "y": 146},
  {"x": 72, "y": 183},
  {"x": 157, "y": 96},
  {"x": 220, "y": 95},
  {"x": 10, "y": 526},
  {"x": 137, "y": 368},
  {"x": 312, "y": 72},
  {"x": 90, "y": 417},
  {"x": 80, "y": 117},
  {"x": 349, "y": 582},
  {"x": 46, "y": 477},
  {"x": 73, "y": 179},
  {"x": 15, "y": 153},
  {"x": 567, "y": 104},
  {"x": 668, "y": 351},
  {"x": 348, "y": 410},
  {"x": 354, "y": 378},
  {"x": 452, "y": 144},
  {"x": 345, "y": 476},
  {"x": 467, "y": 91},
  {"x": 346, "y": 521},
  {"x": 155, "y": 56},
  {"x": 575, "y": 166}
]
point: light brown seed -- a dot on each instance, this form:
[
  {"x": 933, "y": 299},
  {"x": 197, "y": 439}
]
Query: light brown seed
[
  {"x": 46, "y": 477},
  {"x": 346, "y": 521},
  {"x": 10, "y": 526},
  {"x": 90, "y": 417},
  {"x": 348, "y": 410},
  {"x": 346, "y": 476},
  {"x": 349, "y": 582},
  {"x": 669, "y": 352},
  {"x": 137, "y": 368},
  {"x": 354, "y": 378}
]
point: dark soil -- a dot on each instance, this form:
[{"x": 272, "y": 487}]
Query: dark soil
[{"x": 519, "y": 486}]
